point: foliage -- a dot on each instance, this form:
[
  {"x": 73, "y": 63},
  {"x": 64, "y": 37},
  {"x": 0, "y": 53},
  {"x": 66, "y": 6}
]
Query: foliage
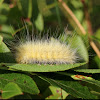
[{"x": 34, "y": 81}]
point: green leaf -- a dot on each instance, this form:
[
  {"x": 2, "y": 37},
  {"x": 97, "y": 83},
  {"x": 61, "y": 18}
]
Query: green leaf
[
  {"x": 39, "y": 23},
  {"x": 78, "y": 77},
  {"x": 55, "y": 93},
  {"x": 11, "y": 90},
  {"x": 97, "y": 60},
  {"x": 43, "y": 68},
  {"x": 5, "y": 54},
  {"x": 71, "y": 87},
  {"x": 88, "y": 70},
  {"x": 97, "y": 34},
  {"x": 79, "y": 14},
  {"x": 7, "y": 29},
  {"x": 4, "y": 6},
  {"x": 1, "y": 38},
  {"x": 92, "y": 84},
  {"x": 3, "y": 48},
  {"x": 95, "y": 38},
  {"x": 1, "y": 1},
  {"x": 23, "y": 81},
  {"x": 77, "y": 43},
  {"x": 43, "y": 8},
  {"x": 76, "y": 4},
  {"x": 55, "y": 96},
  {"x": 89, "y": 80}
]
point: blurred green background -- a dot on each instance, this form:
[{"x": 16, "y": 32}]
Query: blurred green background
[{"x": 44, "y": 14}]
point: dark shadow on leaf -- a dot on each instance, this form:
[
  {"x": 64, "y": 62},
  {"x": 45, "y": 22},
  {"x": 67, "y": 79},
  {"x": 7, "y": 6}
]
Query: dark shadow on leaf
[
  {"x": 7, "y": 58},
  {"x": 57, "y": 76}
]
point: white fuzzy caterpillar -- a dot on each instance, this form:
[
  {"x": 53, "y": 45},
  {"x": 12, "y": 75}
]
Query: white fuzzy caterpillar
[{"x": 45, "y": 52}]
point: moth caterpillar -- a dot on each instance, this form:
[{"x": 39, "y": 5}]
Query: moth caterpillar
[{"x": 48, "y": 51}]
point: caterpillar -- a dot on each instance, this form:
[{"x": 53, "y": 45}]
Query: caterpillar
[{"x": 45, "y": 51}]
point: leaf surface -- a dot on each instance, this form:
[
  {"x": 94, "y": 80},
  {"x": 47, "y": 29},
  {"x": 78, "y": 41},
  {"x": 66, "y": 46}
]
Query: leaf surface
[
  {"x": 44, "y": 68},
  {"x": 11, "y": 90},
  {"x": 23, "y": 81}
]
